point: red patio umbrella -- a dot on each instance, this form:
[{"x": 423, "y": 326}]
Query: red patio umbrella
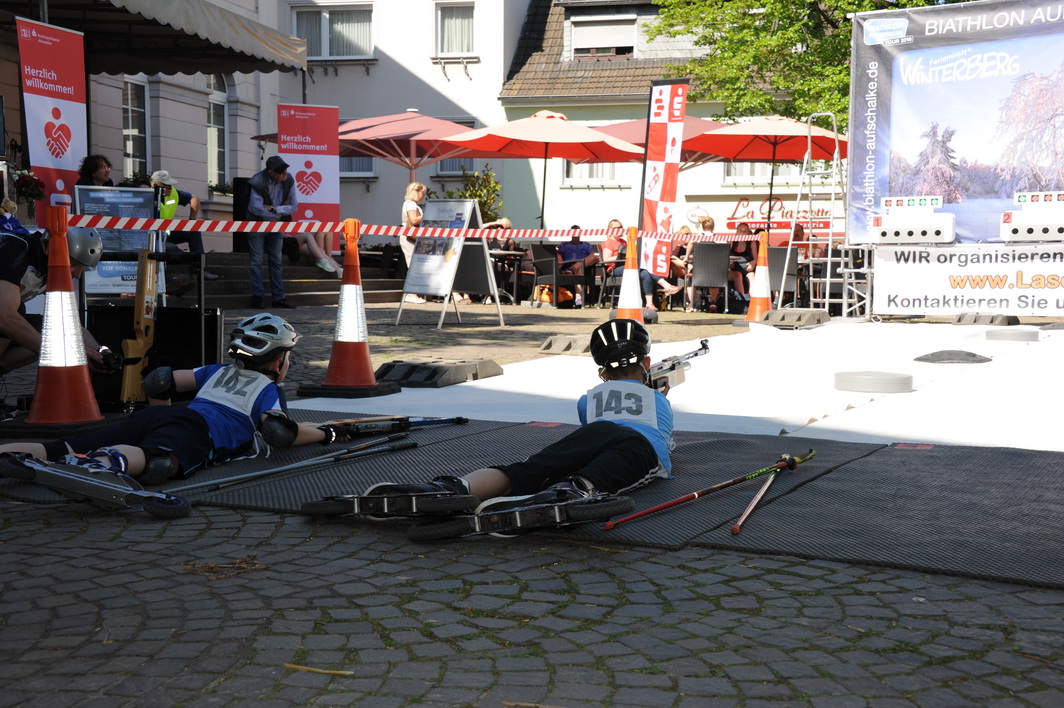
[
  {"x": 409, "y": 139},
  {"x": 547, "y": 134},
  {"x": 635, "y": 132},
  {"x": 770, "y": 139}
]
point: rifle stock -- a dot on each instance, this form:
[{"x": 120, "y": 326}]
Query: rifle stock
[{"x": 135, "y": 351}]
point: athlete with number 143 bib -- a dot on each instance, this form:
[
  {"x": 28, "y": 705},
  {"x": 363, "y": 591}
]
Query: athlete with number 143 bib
[{"x": 623, "y": 443}]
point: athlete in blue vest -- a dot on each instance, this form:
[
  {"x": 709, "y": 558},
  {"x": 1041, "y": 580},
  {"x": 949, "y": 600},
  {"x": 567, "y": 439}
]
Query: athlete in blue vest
[
  {"x": 238, "y": 409},
  {"x": 623, "y": 443}
]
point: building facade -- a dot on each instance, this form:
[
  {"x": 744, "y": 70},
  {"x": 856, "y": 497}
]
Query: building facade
[{"x": 475, "y": 62}]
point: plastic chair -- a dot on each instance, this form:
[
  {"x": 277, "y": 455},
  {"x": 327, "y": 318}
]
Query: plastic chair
[{"x": 710, "y": 263}]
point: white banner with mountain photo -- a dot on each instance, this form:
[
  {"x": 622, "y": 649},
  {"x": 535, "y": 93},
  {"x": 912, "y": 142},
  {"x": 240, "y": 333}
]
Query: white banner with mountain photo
[{"x": 959, "y": 100}]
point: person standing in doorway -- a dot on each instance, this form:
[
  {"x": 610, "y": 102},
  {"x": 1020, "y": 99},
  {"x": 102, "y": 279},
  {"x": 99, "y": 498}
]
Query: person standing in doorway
[{"x": 271, "y": 197}]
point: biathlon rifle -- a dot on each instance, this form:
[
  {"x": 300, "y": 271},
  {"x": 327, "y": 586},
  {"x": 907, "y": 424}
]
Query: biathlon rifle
[
  {"x": 135, "y": 351},
  {"x": 670, "y": 372},
  {"x": 382, "y": 425}
]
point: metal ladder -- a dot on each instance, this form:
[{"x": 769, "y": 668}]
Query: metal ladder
[{"x": 833, "y": 274}]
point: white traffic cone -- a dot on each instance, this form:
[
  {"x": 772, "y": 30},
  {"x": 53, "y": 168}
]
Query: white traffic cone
[
  {"x": 350, "y": 372},
  {"x": 63, "y": 393}
]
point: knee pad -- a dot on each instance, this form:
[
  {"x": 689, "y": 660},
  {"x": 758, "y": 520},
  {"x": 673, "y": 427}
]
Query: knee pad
[{"x": 159, "y": 466}]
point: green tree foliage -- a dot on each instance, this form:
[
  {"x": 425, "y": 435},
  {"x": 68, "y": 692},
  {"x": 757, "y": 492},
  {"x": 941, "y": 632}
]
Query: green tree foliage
[
  {"x": 770, "y": 56},
  {"x": 481, "y": 186}
]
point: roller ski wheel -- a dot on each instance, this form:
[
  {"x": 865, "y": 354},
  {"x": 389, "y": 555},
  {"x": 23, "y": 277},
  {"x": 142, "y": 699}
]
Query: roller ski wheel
[
  {"x": 97, "y": 486},
  {"x": 392, "y": 506},
  {"x": 521, "y": 520}
]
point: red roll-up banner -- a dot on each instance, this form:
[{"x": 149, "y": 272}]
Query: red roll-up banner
[
  {"x": 53, "y": 89},
  {"x": 308, "y": 140}
]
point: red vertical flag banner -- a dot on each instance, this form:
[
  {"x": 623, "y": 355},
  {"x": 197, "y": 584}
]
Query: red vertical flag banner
[
  {"x": 53, "y": 90},
  {"x": 309, "y": 141},
  {"x": 668, "y": 107}
]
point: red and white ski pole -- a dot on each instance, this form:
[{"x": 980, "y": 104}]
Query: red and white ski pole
[
  {"x": 738, "y": 526},
  {"x": 785, "y": 462}
]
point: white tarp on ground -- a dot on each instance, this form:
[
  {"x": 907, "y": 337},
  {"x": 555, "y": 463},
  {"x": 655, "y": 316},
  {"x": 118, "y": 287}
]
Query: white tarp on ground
[{"x": 770, "y": 382}]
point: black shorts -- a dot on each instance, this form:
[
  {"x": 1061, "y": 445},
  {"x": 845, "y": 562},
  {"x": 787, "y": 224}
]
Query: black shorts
[
  {"x": 613, "y": 457},
  {"x": 178, "y": 429}
]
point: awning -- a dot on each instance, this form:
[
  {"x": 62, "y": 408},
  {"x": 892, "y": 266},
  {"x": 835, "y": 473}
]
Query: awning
[{"x": 166, "y": 36}]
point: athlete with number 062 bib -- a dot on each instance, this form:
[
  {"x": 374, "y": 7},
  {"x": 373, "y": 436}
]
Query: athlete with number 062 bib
[{"x": 623, "y": 443}]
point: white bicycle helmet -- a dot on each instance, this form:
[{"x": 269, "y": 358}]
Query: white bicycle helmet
[
  {"x": 258, "y": 338},
  {"x": 85, "y": 246}
]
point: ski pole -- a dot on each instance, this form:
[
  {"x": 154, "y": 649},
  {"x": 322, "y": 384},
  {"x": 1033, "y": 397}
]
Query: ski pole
[
  {"x": 738, "y": 526},
  {"x": 785, "y": 462},
  {"x": 370, "y": 447}
]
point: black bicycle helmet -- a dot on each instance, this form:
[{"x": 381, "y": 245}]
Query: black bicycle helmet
[
  {"x": 257, "y": 339},
  {"x": 618, "y": 343}
]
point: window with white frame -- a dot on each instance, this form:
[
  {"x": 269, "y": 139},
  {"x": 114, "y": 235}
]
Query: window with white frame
[
  {"x": 217, "y": 111},
  {"x": 594, "y": 173},
  {"x": 599, "y": 39},
  {"x": 454, "y": 29},
  {"x": 760, "y": 172},
  {"x": 452, "y": 166},
  {"x": 134, "y": 128},
  {"x": 335, "y": 31},
  {"x": 357, "y": 167}
]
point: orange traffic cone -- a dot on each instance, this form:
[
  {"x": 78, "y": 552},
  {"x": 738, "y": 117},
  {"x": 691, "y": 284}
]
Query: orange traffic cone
[
  {"x": 760, "y": 293},
  {"x": 350, "y": 372},
  {"x": 63, "y": 393},
  {"x": 630, "y": 302}
]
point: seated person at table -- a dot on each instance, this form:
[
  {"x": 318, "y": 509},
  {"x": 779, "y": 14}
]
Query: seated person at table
[
  {"x": 577, "y": 258},
  {"x": 616, "y": 254},
  {"x": 743, "y": 260}
]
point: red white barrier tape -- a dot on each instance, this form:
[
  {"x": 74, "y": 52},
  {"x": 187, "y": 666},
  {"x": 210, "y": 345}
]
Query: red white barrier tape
[
  {"x": 125, "y": 222},
  {"x": 296, "y": 227},
  {"x": 519, "y": 234}
]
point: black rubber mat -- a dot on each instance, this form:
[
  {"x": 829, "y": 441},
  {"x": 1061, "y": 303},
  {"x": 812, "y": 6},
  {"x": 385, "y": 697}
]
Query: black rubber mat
[
  {"x": 702, "y": 460},
  {"x": 480, "y": 447},
  {"x": 426, "y": 435},
  {"x": 994, "y": 513}
]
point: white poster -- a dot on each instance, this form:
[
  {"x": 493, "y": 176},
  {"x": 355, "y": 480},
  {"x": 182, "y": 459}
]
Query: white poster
[{"x": 1026, "y": 280}]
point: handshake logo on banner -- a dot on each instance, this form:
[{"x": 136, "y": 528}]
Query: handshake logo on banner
[
  {"x": 57, "y": 136},
  {"x": 307, "y": 182}
]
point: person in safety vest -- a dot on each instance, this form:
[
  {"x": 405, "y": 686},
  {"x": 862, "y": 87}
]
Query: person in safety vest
[{"x": 172, "y": 199}]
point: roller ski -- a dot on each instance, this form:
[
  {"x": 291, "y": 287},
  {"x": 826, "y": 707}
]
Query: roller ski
[
  {"x": 443, "y": 495},
  {"x": 564, "y": 504},
  {"x": 90, "y": 481}
]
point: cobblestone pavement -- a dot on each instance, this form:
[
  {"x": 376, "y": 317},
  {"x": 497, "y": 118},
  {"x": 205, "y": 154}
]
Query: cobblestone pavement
[{"x": 102, "y": 609}]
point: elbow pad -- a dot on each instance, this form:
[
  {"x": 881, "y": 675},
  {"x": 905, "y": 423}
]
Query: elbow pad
[
  {"x": 279, "y": 431},
  {"x": 159, "y": 383}
]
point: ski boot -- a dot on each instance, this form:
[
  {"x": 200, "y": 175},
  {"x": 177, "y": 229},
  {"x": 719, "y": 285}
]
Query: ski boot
[
  {"x": 443, "y": 495},
  {"x": 85, "y": 479},
  {"x": 564, "y": 504}
]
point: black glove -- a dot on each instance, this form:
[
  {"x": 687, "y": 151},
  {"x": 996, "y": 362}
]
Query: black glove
[{"x": 112, "y": 361}]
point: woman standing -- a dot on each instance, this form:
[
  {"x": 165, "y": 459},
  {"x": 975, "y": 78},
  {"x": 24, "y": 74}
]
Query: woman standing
[{"x": 412, "y": 216}]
